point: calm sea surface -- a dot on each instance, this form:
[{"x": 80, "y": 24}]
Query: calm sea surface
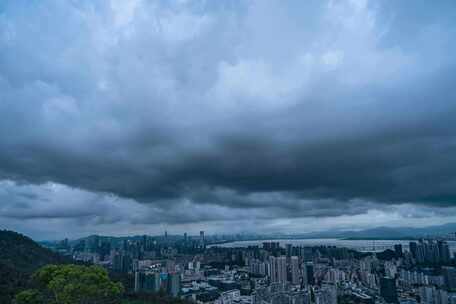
[{"x": 360, "y": 245}]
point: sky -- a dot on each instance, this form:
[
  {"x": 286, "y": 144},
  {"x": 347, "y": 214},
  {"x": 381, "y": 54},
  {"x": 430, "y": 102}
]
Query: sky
[{"x": 131, "y": 117}]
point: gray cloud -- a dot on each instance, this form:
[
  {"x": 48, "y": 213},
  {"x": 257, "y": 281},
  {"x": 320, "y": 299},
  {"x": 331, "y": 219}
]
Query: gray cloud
[{"x": 196, "y": 112}]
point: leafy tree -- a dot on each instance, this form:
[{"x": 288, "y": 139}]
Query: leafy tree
[
  {"x": 72, "y": 284},
  {"x": 31, "y": 296}
]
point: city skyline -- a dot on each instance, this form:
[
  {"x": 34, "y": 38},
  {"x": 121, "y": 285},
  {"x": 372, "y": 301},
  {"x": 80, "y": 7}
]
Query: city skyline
[{"x": 139, "y": 117}]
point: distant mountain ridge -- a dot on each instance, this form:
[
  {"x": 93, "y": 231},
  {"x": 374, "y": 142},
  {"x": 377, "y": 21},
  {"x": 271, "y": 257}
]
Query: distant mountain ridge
[
  {"x": 387, "y": 232},
  {"x": 380, "y": 232}
]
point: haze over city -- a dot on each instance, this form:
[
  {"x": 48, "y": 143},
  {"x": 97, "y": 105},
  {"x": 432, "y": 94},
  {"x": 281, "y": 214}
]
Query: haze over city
[{"x": 135, "y": 117}]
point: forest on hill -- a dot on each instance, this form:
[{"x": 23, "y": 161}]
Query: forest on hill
[
  {"x": 32, "y": 274},
  {"x": 20, "y": 256}
]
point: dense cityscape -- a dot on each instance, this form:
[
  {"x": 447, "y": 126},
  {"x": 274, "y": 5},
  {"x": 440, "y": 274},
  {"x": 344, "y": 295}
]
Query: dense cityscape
[{"x": 197, "y": 269}]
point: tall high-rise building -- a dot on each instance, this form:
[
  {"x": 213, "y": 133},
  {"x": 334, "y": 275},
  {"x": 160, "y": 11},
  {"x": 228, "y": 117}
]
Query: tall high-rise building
[
  {"x": 444, "y": 252},
  {"x": 278, "y": 269},
  {"x": 282, "y": 268},
  {"x": 174, "y": 284},
  {"x": 413, "y": 249},
  {"x": 121, "y": 262},
  {"x": 147, "y": 281},
  {"x": 289, "y": 249},
  {"x": 388, "y": 290},
  {"x": 431, "y": 295},
  {"x": 418, "y": 251},
  {"x": 273, "y": 269},
  {"x": 93, "y": 242},
  {"x": 449, "y": 274},
  {"x": 427, "y": 294},
  {"x": 271, "y": 246},
  {"x": 294, "y": 269},
  {"x": 398, "y": 250},
  {"x": 139, "y": 281},
  {"x": 202, "y": 240},
  {"x": 310, "y": 274},
  {"x": 431, "y": 252},
  {"x": 144, "y": 242},
  {"x": 304, "y": 280},
  {"x": 152, "y": 282},
  {"x": 124, "y": 245}
]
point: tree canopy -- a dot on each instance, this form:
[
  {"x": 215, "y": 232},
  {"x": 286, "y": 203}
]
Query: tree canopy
[{"x": 72, "y": 284}]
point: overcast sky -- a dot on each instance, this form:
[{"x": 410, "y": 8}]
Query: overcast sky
[{"x": 125, "y": 117}]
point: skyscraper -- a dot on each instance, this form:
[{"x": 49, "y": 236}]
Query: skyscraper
[
  {"x": 398, "y": 250},
  {"x": 122, "y": 262},
  {"x": 278, "y": 269},
  {"x": 413, "y": 249},
  {"x": 289, "y": 248},
  {"x": 304, "y": 280},
  {"x": 202, "y": 240},
  {"x": 294, "y": 269},
  {"x": 139, "y": 281},
  {"x": 432, "y": 295},
  {"x": 174, "y": 283},
  {"x": 147, "y": 281},
  {"x": 144, "y": 242},
  {"x": 152, "y": 282},
  {"x": 418, "y": 251},
  {"x": 449, "y": 274},
  {"x": 282, "y": 268},
  {"x": 444, "y": 252},
  {"x": 310, "y": 273},
  {"x": 271, "y": 246},
  {"x": 388, "y": 289}
]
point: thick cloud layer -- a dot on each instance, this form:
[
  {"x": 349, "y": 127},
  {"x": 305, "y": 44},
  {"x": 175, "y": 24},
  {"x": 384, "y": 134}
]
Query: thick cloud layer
[{"x": 192, "y": 112}]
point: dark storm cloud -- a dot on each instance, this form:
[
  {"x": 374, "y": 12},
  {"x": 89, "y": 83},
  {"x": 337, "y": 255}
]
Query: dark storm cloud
[{"x": 285, "y": 109}]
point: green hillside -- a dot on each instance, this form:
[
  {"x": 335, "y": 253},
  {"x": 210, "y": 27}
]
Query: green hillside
[{"x": 19, "y": 257}]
